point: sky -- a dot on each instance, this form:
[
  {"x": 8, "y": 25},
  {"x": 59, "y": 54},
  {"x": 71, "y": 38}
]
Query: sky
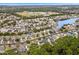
[
  {"x": 39, "y": 1},
  {"x": 15, "y": 4}
]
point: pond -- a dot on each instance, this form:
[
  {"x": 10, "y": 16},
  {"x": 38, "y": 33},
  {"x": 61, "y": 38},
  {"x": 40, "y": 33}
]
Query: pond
[{"x": 67, "y": 21}]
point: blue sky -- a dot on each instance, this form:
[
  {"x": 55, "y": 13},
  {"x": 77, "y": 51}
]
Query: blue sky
[{"x": 39, "y": 1}]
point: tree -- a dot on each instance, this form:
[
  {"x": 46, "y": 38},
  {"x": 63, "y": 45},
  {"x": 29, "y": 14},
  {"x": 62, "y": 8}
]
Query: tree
[
  {"x": 36, "y": 50},
  {"x": 48, "y": 48},
  {"x": 67, "y": 45}
]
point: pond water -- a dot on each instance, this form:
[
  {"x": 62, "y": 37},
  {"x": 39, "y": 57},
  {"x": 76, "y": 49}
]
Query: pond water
[{"x": 67, "y": 21}]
